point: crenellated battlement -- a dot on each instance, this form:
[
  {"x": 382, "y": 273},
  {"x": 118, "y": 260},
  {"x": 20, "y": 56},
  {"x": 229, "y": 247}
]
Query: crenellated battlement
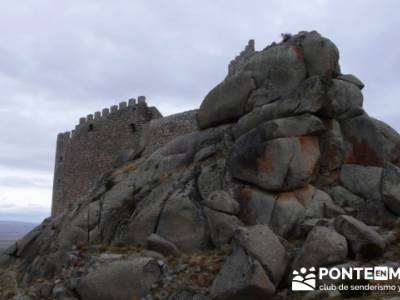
[
  {"x": 106, "y": 113},
  {"x": 65, "y": 136},
  {"x": 114, "y": 109},
  {"x": 99, "y": 140},
  {"x": 244, "y": 55},
  {"x": 84, "y": 154}
]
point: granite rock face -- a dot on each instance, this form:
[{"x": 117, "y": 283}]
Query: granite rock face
[
  {"x": 227, "y": 101},
  {"x": 391, "y": 187},
  {"x": 357, "y": 233},
  {"x": 286, "y": 171},
  {"x": 120, "y": 280},
  {"x": 320, "y": 55},
  {"x": 323, "y": 247},
  {"x": 276, "y": 165},
  {"x": 260, "y": 242},
  {"x": 242, "y": 277}
]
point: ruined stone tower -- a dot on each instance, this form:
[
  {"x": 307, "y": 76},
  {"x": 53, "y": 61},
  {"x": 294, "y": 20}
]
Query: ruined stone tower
[{"x": 85, "y": 154}]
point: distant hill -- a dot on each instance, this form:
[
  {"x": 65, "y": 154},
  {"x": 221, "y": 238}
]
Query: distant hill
[{"x": 11, "y": 231}]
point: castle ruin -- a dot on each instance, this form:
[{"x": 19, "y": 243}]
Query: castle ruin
[{"x": 102, "y": 140}]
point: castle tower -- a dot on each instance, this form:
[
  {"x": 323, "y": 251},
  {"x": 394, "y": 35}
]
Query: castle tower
[{"x": 84, "y": 155}]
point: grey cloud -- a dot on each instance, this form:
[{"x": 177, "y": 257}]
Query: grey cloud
[
  {"x": 14, "y": 181},
  {"x": 60, "y": 61},
  {"x": 7, "y": 206}
]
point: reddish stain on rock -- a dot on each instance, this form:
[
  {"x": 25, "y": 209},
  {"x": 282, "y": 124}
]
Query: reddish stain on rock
[
  {"x": 264, "y": 163},
  {"x": 246, "y": 215},
  {"x": 298, "y": 51},
  {"x": 332, "y": 157},
  {"x": 309, "y": 146},
  {"x": 305, "y": 195},
  {"x": 286, "y": 197},
  {"x": 310, "y": 154},
  {"x": 363, "y": 154}
]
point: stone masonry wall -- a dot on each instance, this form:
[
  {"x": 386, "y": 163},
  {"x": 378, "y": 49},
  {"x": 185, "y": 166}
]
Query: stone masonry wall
[
  {"x": 84, "y": 155},
  {"x": 242, "y": 58},
  {"x": 163, "y": 130}
]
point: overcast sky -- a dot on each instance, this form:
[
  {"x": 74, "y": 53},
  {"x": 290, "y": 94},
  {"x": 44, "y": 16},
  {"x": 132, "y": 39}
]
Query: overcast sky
[{"x": 60, "y": 60}]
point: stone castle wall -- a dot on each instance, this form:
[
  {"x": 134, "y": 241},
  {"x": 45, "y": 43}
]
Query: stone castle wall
[
  {"x": 85, "y": 154},
  {"x": 236, "y": 64},
  {"x": 163, "y": 130},
  {"x": 100, "y": 141}
]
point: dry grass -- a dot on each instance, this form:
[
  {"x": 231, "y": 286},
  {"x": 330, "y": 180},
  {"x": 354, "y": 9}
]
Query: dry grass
[
  {"x": 195, "y": 271},
  {"x": 8, "y": 283}
]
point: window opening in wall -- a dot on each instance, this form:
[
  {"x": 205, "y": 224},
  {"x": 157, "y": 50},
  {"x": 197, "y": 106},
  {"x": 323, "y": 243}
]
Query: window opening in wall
[
  {"x": 132, "y": 127},
  {"x": 90, "y": 127},
  {"x": 61, "y": 158}
]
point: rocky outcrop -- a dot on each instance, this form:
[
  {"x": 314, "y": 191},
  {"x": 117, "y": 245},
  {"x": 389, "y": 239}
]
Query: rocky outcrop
[
  {"x": 323, "y": 247},
  {"x": 277, "y": 165},
  {"x": 264, "y": 245},
  {"x": 161, "y": 245},
  {"x": 391, "y": 187},
  {"x": 370, "y": 142},
  {"x": 287, "y": 171},
  {"x": 182, "y": 221},
  {"x": 242, "y": 277},
  {"x": 130, "y": 279},
  {"x": 227, "y": 101},
  {"x": 362, "y": 180},
  {"x": 222, "y": 226},
  {"x": 358, "y": 234},
  {"x": 223, "y": 202}
]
